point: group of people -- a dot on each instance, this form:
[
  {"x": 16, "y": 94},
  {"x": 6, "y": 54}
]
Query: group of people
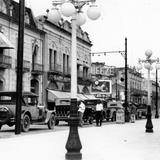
[{"x": 98, "y": 112}]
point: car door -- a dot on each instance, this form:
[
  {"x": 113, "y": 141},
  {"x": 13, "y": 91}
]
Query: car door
[{"x": 32, "y": 107}]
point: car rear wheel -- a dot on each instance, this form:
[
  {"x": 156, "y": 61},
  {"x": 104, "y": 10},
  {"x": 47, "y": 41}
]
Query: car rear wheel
[
  {"x": 51, "y": 122},
  {"x": 26, "y": 123}
]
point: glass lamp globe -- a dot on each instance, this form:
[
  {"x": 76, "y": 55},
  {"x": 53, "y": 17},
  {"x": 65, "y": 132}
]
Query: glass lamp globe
[
  {"x": 139, "y": 66},
  {"x": 147, "y": 66},
  {"x": 54, "y": 15},
  {"x": 80, "y": 18},
  {"x": 148, "y": 53},
  {"x": 157, "y": 66},
  {"x": 68, "y": 9},
  {"x": 93, "y": 12}
]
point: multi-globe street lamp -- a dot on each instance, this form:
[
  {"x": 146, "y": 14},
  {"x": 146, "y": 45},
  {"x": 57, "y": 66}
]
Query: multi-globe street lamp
[
  {"x": 73, "y": 9},
  {"x": 148, "y": 65}
]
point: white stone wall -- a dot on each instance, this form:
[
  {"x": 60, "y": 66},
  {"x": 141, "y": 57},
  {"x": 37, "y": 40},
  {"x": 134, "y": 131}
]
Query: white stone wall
[{"x": 11, "y": 32}]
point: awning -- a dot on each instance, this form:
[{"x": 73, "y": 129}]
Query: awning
[
  {"x": 81, "y": 96},
  {"x": 53, "y": 95},
  {"x": 90, "y": 96},
  {"x": 5, "y": 42}
]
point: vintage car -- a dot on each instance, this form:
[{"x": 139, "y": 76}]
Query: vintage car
[
  {"x": 31, "y": 112},
  {"x": 89, "y": 114},
  {"x": 110, "y": 111},
  {"x": 141, "y": 111}
]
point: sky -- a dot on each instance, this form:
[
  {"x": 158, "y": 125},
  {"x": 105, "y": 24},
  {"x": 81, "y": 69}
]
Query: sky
[{"x": 137, "y": 20}]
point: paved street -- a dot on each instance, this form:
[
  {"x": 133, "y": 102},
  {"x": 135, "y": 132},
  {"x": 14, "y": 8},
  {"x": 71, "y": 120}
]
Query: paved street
[
  {"x": 127, "y": 141},
  {"x": 7, "y": 131}
]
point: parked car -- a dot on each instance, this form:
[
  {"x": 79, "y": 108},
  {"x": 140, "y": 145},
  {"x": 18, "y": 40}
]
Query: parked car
[
  {"x": 110, "y": 111},
  {"x": 31, "y": 113},
  {"x": 141, "y": 111},
  {"x": 62, "y": 108}
]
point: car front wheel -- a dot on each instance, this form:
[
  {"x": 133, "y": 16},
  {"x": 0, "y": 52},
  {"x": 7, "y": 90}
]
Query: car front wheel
[
  {"x": 51, "y": 122},
  {"x": 26, "y": 123}
]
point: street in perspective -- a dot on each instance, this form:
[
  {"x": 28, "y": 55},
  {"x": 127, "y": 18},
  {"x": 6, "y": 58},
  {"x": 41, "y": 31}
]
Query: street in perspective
[{"x": 79, "y": 80}]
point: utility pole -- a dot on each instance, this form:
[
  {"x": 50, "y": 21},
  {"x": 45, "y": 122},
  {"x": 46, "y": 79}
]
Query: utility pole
[
  {"x": 124, "y": 54},
  {"x": 19, "y": 67},
  {"x": 126, "y": 84}
]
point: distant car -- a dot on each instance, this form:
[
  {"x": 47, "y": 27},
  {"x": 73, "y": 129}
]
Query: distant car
[
  {"x": 31, "y": 113},
  {"x": 110, "y": 111},
  {"x": 141, "y": 111}
]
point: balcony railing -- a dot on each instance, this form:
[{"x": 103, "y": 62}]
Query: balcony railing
[
  {"x": 67, "y": 71},
  {"x": 37, "y": 68},
  {"x": 26, "y": 65},
  {"x": 57, "y": 68},
  {"x": 5, "y": 61},
  {"x": 80, "y": 74}
]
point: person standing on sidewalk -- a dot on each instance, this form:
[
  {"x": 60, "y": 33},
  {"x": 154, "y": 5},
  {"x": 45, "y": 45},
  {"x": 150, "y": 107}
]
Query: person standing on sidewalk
[
  {"x": 81, "y": 110},
  {"x": 99, "y": 113},
  {"x": 133, "y": 113}
]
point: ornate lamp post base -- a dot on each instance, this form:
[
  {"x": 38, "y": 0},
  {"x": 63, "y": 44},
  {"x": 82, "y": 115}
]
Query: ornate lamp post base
[
  {"x": 73, "y": 144},
  {"x": 149, "y": 125}
]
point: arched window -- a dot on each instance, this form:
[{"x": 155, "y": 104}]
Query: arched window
[
  {"x": 3, "y": 7},
  {"x": 35, "y": 86},
  {"x": 26, "y": 18}
]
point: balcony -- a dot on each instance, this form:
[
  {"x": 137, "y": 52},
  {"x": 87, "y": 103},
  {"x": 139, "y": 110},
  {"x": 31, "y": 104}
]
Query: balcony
[
  {"x": 81, "y": 75},
  {"x": 37, "y": 69},
  {"x": 56, "y": 69},
  {"x": 26, "y": 66},
  {"x": 5, "y": 62},
  {"x": 67, "y": 71}
]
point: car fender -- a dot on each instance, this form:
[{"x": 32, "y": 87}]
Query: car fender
[
  {"x": 48, "y": 115},
  {"x": 25, "y": 112}
]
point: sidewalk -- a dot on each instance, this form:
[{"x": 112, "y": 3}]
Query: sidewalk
[{"x": 127, "y": 141}]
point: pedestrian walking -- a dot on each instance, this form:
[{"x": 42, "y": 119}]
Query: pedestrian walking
[
  {"x": 81, "y": 110},
  {"x": 99, "y": 113},
  {"x": 133, "y": 113}
]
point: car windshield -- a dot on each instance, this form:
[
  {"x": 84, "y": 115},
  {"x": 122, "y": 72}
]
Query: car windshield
[{"x": 30, "y": 100}]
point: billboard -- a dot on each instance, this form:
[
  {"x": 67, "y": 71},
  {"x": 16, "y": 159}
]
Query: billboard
[{"x": 102, "y": 87}]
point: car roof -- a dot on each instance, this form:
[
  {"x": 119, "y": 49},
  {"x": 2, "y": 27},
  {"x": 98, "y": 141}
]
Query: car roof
[{"x": 14, "y": 93}]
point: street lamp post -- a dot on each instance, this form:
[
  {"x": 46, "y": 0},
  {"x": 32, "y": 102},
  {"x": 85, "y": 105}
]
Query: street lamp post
[
  {"x": 148, "y": 65},
  {"x": 73, "y": 8}
]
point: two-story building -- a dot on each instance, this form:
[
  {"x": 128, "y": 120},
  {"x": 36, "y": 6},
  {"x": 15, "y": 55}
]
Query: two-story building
[
  {"x": 47, "y": 53},
  {"x": 32, "y": 59}
]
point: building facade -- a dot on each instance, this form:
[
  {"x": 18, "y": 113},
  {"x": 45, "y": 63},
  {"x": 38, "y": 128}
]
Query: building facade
[
  {"x": 32, "y": 58},
  {"x": 47, "y": 53},
  {"x": 136, "y": 93}
]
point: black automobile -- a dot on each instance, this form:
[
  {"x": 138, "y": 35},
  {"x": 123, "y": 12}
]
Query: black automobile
[{"x": 31, "y": 113}]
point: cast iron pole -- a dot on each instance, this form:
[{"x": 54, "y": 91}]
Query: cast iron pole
[{"x": 19, "y": 67}]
